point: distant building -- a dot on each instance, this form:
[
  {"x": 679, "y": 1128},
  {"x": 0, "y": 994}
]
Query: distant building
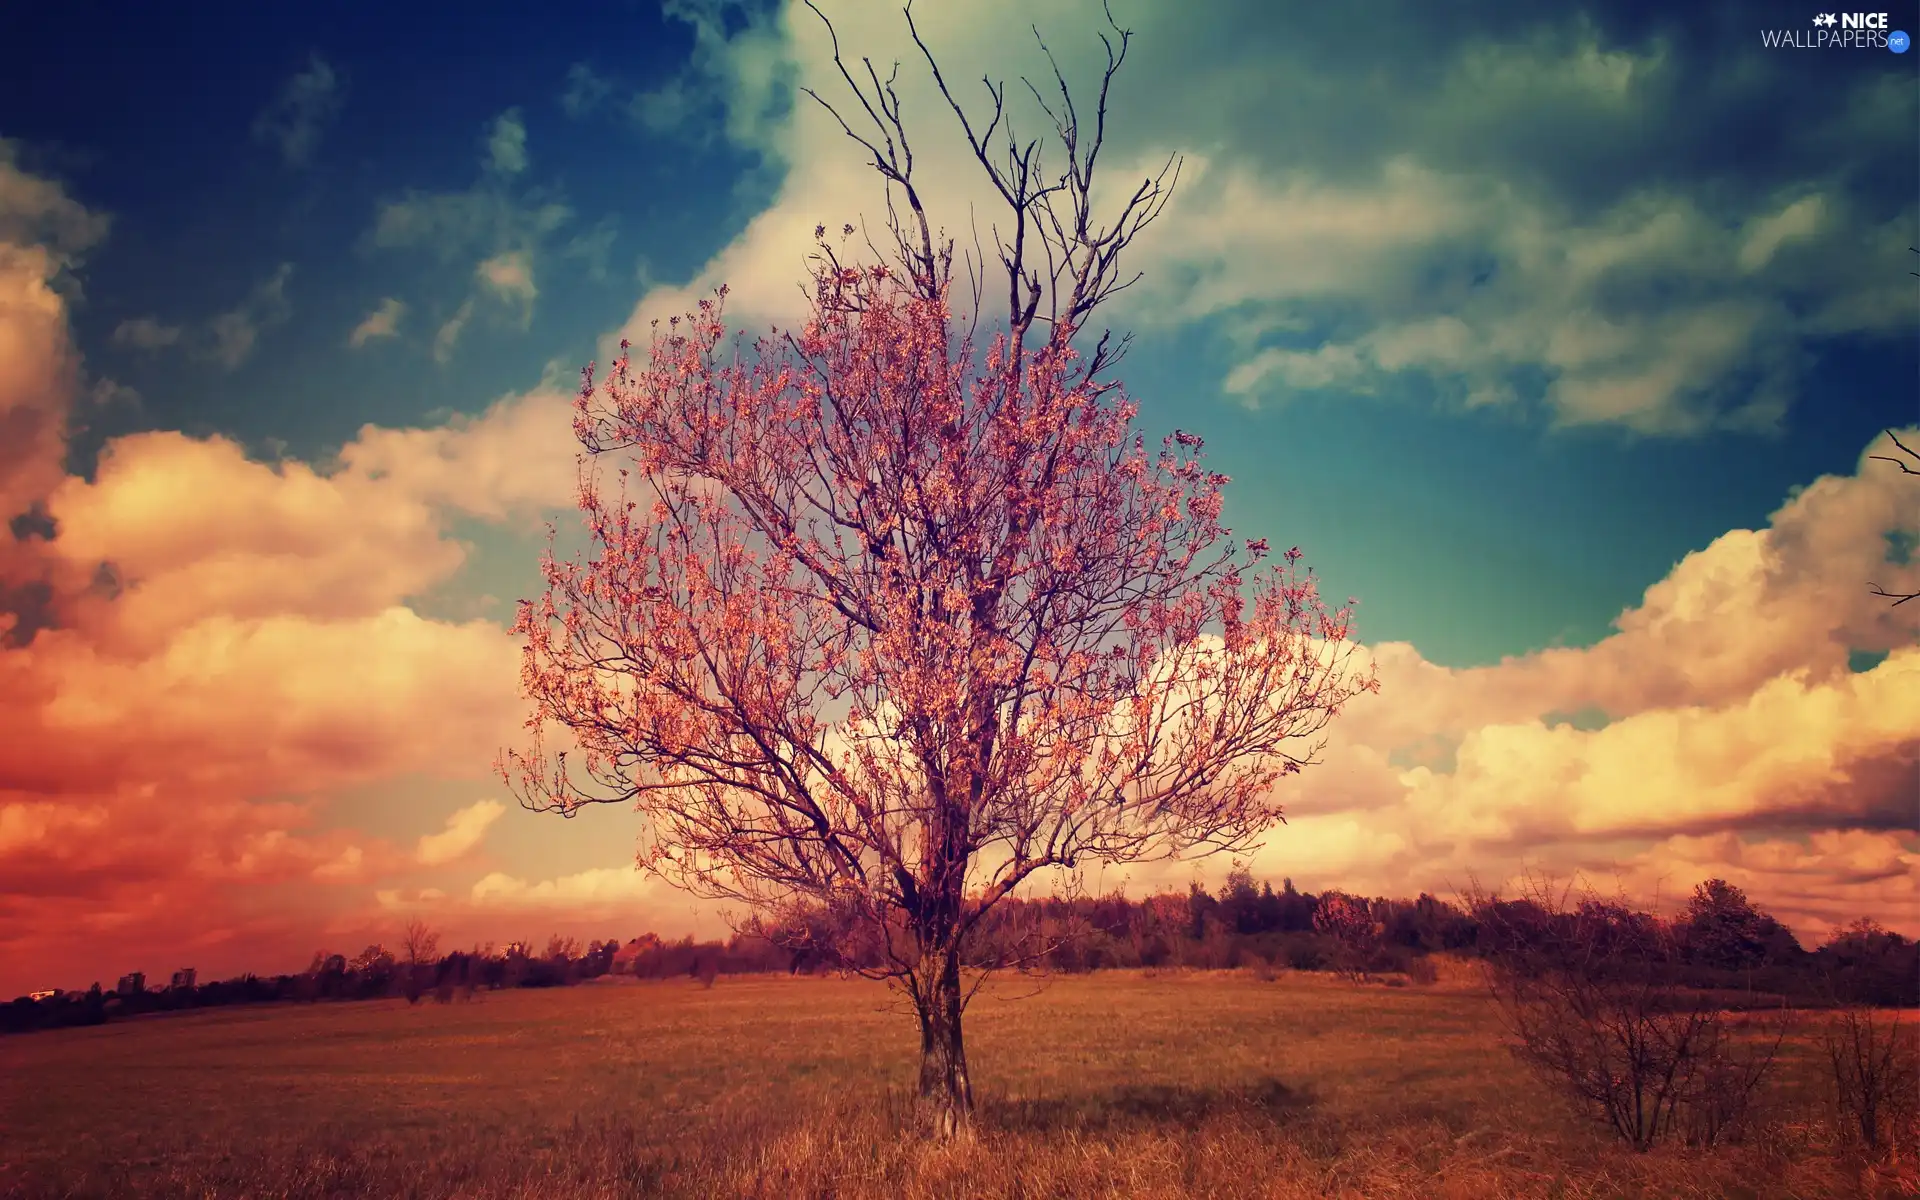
[
  {"x": 182, "y": 980},
  {"x": 47, "y": 994},
  {"x": 131, "y": 984}
]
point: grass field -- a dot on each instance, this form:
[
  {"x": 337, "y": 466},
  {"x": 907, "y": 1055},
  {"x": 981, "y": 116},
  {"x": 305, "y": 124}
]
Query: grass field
[{"x": 1116, "y": 1084}]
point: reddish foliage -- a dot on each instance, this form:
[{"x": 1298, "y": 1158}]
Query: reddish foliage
[
  {"x": 1349, "y": 921},
  {"x": 882, "y": 619}
]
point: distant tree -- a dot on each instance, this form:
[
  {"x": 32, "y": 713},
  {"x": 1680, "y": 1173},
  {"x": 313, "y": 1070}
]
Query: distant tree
[
  {"x": 419, "y": 942},
  {"x": 373, "y": 968},
  {"x": 1240, "y": 901},
  {"x": 1723, "y": 929},
  {"x": 515, "y": 965},
  {"x": 1296, "y": 908},
  {"x": 329, "y": 974},
  {"x": 1202, "y": 910},
  {"x": 1865, "y": 963},
  {"x": 420, "y": 946},
  {"x": 1348, "y": 922},
  {"x": 889, "y": 622},
  {"x": 1427, "y": 925},
  {"x": 1155, "y": 928},
  {"x": 598, "y": 959}
]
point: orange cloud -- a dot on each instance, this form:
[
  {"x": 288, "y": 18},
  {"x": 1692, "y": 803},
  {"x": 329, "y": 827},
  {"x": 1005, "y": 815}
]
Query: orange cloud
[
  {"x": 1739, "y": 739},
  {"x": 169, "y": 737},
  {"x": 464, "y": 831},
  {"x": 172, "y": 738}
]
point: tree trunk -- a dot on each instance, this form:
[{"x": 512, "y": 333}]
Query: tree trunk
[{"x": 945, "y": 1088}]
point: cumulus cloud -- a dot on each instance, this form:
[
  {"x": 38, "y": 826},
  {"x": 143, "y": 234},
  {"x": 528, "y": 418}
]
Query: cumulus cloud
[
  {"x": 465, "y": 830},
  {"x": 507, "y": 144},
  {"x": 300, "y": 113},
  {"x": 43, "y": 234},
  {"x": 1729, "y": 735},
  {"x": 382, "y": 322},
  {"x": 258, "y": 642},
  {"x": 1817, "y": 882},
  {"x": 220, "y": 630}
]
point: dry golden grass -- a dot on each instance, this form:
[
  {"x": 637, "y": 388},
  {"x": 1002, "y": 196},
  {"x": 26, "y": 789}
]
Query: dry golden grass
[{"x": 1117, "y": 1084}]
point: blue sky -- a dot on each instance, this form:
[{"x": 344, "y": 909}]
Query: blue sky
[{"x": 1501, "y": 312}]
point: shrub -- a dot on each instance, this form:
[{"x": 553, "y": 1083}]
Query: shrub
[
  {"x": 1873, "y": 1077},
  {"x": 1306, "y": 954},
  {"x": 1593, "y": 998},
  {"x": 1347, "y": 922},
  {"x": 1420, "y": 970}
]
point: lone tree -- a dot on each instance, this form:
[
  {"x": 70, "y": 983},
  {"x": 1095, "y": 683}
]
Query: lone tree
[
  {"x": 881, "y": 623},
  {"x": 420, "y": 944}
]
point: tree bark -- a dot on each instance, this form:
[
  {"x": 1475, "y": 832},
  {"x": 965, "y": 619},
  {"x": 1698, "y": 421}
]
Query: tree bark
[{"x": 945, "y": 1088}]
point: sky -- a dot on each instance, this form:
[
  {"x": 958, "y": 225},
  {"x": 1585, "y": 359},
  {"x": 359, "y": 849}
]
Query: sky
[{"x": 1560, "y": 337}]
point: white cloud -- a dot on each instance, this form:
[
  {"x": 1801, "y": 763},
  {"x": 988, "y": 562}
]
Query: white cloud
[
  {"x": 382, "y": 322},
  {"x": 146, "y": 333},
  {"x": 37, "y": 214},
  {"x": 449, "y": 335},
  {"x": 1644, "y": 317},
  {"x": 301, "y": 111},
  {"x": 235, "y": 332},
  {"x": 465, "y": 830},
  {"x": 599, "y": 887},
  {"x": 1671, "y": 310},
  {"x": 499, "y": 230},
  {"x": 586, "y": 91},
  {"x": 1802, "y": 219},
  {"x": 228, "y": 338},
  {"x": 509, "y": 277},
  {"x": 507, "y": 144},
  {"x": 453, "y": 224}
]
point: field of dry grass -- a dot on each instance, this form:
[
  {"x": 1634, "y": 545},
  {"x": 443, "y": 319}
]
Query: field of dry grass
[{"x": 1116, "y": 1084}]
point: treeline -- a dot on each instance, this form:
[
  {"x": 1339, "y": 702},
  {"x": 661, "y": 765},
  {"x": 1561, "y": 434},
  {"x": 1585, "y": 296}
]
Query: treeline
[{"x": 1721, "y": 941}]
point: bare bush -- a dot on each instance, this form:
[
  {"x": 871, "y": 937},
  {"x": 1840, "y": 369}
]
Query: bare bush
[
  {"x": 1873, "y": 1076},
  {"x": 1422, "y": 971},
  {"x": 1593, "y": 996}
]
